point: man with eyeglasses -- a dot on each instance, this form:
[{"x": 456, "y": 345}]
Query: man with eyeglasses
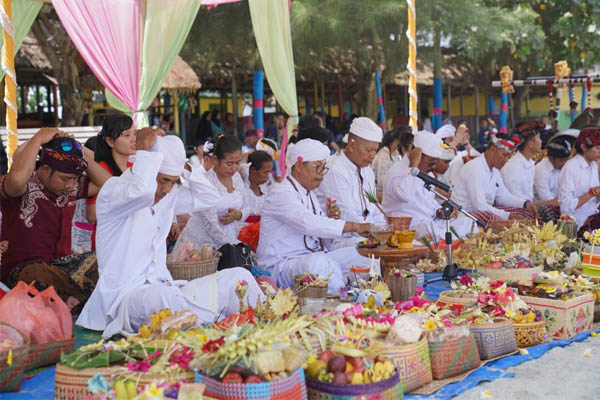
[
  {"x": 351, "y": 178},
  {"x": 295, "y": 232},
  {"x": 38, "y": 207}
]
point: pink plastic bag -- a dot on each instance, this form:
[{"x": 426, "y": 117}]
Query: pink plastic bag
[
  {"x": 41, "y": 317},
  {"x": 63, "y": 315}
]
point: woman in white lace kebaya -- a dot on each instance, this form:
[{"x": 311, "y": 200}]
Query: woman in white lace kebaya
[{"x": 220, "y": 225}]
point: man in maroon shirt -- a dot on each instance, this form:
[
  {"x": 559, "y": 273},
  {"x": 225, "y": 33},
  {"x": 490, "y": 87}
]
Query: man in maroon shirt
[{"x": 37, "y": 209}]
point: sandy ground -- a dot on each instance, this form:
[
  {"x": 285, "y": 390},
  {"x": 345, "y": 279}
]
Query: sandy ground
[{"x": 565, "y": 373}]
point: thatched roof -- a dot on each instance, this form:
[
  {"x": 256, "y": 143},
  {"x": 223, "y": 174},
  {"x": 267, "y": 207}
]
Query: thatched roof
[
  {"x": 33, "y": 67},
  {"x": 181, "y": 77}
]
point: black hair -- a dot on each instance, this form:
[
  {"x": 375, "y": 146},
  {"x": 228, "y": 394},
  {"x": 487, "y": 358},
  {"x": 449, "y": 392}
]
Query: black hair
[
  {"x": 226, "y": 144},
  {"x": 113, "y": 127},
  {"x": 214, "y": 119},
  {"x": 389, "y": 137},
  {"x": 405, "y": 136},
  {"x": 578, "y": 148},
  {"x": 91, "y": 143},
  {"x": 258, "y": 158},
  {"x": 314, "y": 132},
  {"x": 307, "y": 121},
  {"x": 560, "y": 147}
]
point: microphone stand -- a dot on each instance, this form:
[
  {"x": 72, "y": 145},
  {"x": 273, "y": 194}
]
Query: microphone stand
[{"x": 448, "y": 207}]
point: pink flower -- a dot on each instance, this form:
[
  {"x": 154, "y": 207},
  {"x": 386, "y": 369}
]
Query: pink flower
[
  {"x": 498, "y": 311},
  {"x": 419, "y": 291},
  {"x": 404, "y": 305},
  {"x": 483, "y": 298},
  {"x": 465, "y": 280},
  {"x": 446, "y": 323},
  {"x": 300, "y": 159},
  {"x": 356, "y": 311},
  {"x": 139, "y": 366}
]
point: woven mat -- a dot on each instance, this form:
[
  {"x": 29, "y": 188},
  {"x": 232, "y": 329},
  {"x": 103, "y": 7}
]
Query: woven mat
[{"x": 437, "y": 385}]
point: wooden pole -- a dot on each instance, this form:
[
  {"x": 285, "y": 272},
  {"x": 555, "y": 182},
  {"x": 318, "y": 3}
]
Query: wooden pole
[{"x": 175, "y": 101}]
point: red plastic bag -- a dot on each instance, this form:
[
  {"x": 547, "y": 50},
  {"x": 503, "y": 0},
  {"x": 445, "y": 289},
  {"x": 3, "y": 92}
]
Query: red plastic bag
[{"x": 27, "y": 310}]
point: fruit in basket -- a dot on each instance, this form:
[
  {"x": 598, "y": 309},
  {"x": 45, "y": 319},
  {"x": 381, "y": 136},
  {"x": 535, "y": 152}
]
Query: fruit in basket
[
  {"x": 145, "y": 332},
  {"x": 357, "y": 379},
  {"x": 315, "y": 368},
  {"x": 339, "y": 378},
  {"x": 336, "y": 364},
  {"x": 253, "y": 379},
  {"x": 357, "y": 363},
  {"x": 232, "y": 377},
  {"x": 326, "y": 355}
]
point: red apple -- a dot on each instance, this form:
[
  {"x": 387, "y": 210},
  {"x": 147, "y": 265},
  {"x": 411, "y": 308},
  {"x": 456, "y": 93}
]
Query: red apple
[
  {"x": 357, "y": 363},
  {"x": 326, "y": 355}
]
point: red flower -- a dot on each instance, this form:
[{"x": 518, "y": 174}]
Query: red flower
[
  {"x": 498, "y": 311},
  {"x": 213, "y": 345},
  {"x": 419, "y": 291},
  {"x": 496, "y": 284},
  {"x": 299, "y": 159},
  {"x": 483, "y": 298},
  {"x": 465, "y": 280}
]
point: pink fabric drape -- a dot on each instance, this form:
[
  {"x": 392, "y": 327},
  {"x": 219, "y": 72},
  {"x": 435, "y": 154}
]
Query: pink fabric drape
[{"x": 108, "y": 35}]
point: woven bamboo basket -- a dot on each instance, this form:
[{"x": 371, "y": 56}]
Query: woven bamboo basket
[
  {"x": 72, "y": 384},
  {"x": 310, "y": 291},
  {"x": 494, "y": 339},
  {"x": 293, "y": 388},
  {"x": 530, "y": 334},
  {"x": 569, "y": 229},
  {"x": 388, "y": 389},
  {"x": 453, "y": 357},
  {"x": 510, "y": 274},
  {"x": 402, "y": 288},
  {"x": 412, "y": 362},
  {"x": 400, "y": 223},
  {"x": 190, "y": 270},
  {"x": 449, "y": 298},
  {"x": 41, "y": 355},
  {"x": 12, "y": 375}
]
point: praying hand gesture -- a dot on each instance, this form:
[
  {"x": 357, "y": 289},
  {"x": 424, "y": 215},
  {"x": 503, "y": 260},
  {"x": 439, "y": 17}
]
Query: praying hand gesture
[{"x": 231, "y": 215}]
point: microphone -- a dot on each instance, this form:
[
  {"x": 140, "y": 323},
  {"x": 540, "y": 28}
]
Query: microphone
[{"x": 429, "y": 180}]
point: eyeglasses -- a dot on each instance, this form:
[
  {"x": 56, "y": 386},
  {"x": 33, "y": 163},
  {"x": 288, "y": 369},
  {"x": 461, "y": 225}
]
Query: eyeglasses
[
  {"x": 320, "y": 169},
  {"x": 68, "y": 145}
]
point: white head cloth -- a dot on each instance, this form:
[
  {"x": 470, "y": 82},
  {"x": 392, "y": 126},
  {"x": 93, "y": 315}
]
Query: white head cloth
[
  {"x": 308, "y": 150},
  {"x": 446, "y": 131},
  {"x": 174, "y": 151},
  {"x": 345, "y": 138},
  {"x": 429, "y": 143},
  {"x": 448, "y": 154},
  {"x": 366, "y": 129}
]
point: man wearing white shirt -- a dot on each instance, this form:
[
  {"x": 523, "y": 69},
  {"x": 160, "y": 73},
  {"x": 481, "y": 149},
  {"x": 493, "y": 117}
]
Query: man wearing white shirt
[
  {"x": 480, "y": 189},
  {"x": 547, "y": 171},
  {"x": 351, "y": 176},
  {"x": 135, "y": 212},
  {"x": 295, "y": 233},
  {"x": 405, "y": 195}
]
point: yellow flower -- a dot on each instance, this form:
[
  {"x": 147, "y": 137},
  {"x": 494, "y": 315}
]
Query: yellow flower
[
  {"x": 415, "y": 309},
  {"x": 510, "y": 314},
  {"x": 430, "y": 324},
  {"x": 93, "y": 346},
  {"x": 593, "y": 334},
  {"x": 152, "y": 392}
]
